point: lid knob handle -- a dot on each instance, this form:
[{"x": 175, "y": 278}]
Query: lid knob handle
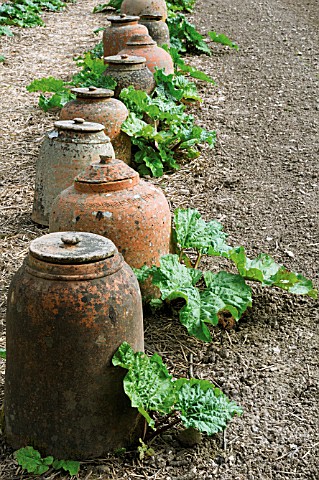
[
  {"x": 92, "y": 88},
  {"x": 105, "y": 159},
  {"x": 70, "y": 239},
  {"x": 123, "y": 15},
  {"x": 78, "y": 121},
  {"x": 124, "y": 56}
]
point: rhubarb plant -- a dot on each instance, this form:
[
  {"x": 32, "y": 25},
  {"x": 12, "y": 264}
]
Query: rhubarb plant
[
  {"x": 31, "y": 461},
  {"x": 160, "y": 128},
  {"x": 222, "y": 39},
  {"x": 191, "y": 402},
  {"x": 207, "y": 296},
  {"x": 25, "y": 13}
]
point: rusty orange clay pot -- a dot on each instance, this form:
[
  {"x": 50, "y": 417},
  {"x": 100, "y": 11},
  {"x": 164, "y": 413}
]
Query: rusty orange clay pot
[
  {"x": 122, "y": 28},
  {"x": 64, "y": 153},
  {"x": 109, "y": 199},
  {"x": 157, "y": 28},
  {"x": 70, "y": 306},
  {"x": 129, "y": 70},
  {"x": 145, "y": 46},
  {"x": 97, "y": 105},
  {"x": 145, "y": 7}
]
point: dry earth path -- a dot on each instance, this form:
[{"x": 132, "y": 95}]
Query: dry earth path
[{"x": 261, "y": 182}]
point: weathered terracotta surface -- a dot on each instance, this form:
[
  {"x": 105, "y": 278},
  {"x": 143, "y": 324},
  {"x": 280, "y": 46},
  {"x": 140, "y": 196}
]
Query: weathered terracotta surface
[
  {"x": 145, "y": 46},
  {"x": 109, "y": 199},
  {"x": 121, "y": 29},
  {"x": 157, "y": 28},
  {"x": 145, "y": 7},
  {"x": 129, "y": 70},
  {"x": 70, "y": 306},
  {"x": 97, "y": 105},
  {"x": 63, "y": 154}
]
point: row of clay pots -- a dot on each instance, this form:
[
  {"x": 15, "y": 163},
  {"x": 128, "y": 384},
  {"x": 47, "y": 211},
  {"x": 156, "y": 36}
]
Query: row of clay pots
[
  {"x": 74, "y": 300},
  {"x": 126, "y": 44}
]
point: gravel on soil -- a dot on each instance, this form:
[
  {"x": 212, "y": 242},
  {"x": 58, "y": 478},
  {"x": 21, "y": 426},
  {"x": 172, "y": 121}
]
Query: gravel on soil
[{"x": 261, "y": 182}]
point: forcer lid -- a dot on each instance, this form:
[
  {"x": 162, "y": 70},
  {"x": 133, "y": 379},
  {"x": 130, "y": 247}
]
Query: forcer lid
[
  {"x": 79, "y": 125},
  {"x": 92, "y": 92},
  {"x": 110, "y": 173},
  {"x": 151, "y": 16},
  {"x": 141, "y": 39},
  {"x": 123, "y": 18},
  {"x": 72, "y": 248},
  {"x": 125, "y": 59}
]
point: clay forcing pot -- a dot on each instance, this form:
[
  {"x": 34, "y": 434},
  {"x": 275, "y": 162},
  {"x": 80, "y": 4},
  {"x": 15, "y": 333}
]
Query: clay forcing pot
[
  {"x": 122, "y": 28},
  {"x": 157, "y": 28},
  {"x": 70, "y": 306},
  {"x": 64, "y": 153},
  {"x": 110, "y": 199},
  {"x": 97, "y": 105},
  {"x": 129, "y": 70},
  {"x": 145, "y": 7},
  {"x": 145, "y": 46}
]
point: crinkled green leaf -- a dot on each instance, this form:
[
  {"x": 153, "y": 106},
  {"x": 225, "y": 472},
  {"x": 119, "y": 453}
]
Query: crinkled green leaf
[
  {"x": 57, "y": 100},
  {"x": 30, "y": 459},
  {"x": 48, "y": 84},
  {"x": 135, "y": 100},
  {"x": 264, "y": 269},
  {"x": 193, "y": 232},
  {"x": 181, "y": 5},
  {"x": 184, "y": 36},
  {"x": 225, "y": 292},
  {"x": 150, "y": 387},
  {"x": 177, "y": 281},
  {"x": 147, "y": 382},
  {"x": 171, "y": 276},
  {"x": 181, "y": 66},
  {"x": 203, "y": 406},
  {"x": 5, "y": 31},
  {"x": 223, "y": 39},
  {"x": 176, "y": 86},
  {"x": 133, "y": 125},
  {"x": 3, "y": 353},
  {"x": 142, "y": 273},
  {"x": 151, "y": 158},
  {"x": 69, "y": 466},
  {"x": 124, "y": 356},
  {"x": 112, "y": 3}
]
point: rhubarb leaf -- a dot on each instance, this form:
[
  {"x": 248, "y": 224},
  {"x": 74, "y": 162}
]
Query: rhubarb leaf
[{"x": 203, "y": 406}]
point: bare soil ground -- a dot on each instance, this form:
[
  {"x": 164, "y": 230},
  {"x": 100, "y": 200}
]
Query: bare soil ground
[{"x": 261, "y": 182}]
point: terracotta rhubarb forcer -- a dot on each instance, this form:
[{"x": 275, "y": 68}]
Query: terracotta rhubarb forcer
[
  {"x": 70, "y": 306},
  {"x": 129, "y": 70},
  {"x": 121, "y": 29},
  {"x": 97, "y": 105},
  {"x": 145, "y": 7},
  {"x": 64, "y": 153},
  {"x": 145, "y": 46},
  {"x": 109, "y": 199},
  {"x": 157, "y": 28}
]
